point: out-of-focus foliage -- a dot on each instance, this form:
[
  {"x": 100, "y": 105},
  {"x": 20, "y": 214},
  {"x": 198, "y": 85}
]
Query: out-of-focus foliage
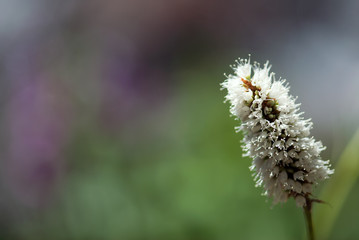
[{"x": 336, "y": 193}]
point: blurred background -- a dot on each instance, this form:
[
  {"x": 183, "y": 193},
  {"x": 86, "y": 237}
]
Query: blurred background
[{"x": 113, "y": 124}]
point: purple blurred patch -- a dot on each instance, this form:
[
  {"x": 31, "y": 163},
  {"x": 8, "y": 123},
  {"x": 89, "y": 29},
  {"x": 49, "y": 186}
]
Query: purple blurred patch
[
  {"x": 131, "y": 87},
  {"x": 38, "y": 125}
]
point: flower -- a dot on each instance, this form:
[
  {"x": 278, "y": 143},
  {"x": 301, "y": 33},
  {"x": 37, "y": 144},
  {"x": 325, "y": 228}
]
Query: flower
[{"x": 286, "y": 159}]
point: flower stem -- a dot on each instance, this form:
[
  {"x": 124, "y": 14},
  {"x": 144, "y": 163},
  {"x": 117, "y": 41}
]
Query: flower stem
[{"x": 308, "y": 218}]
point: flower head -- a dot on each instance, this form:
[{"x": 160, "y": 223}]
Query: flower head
[{"x": 286, "y": 159}]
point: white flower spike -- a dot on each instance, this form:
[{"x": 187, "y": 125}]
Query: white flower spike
[{"x": 286, "y": 160}]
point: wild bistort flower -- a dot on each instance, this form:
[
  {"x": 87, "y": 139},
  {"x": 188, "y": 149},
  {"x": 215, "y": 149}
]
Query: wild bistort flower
[{"x": 286, "y": 159}]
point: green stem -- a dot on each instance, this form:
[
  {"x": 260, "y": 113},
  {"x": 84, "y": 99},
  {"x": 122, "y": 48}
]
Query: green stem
[{"x": 308, "y": 217}]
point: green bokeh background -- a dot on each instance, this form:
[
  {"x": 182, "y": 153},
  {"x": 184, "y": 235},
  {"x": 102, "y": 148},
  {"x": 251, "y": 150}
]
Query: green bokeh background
[
  {"x": 173, "y": 168},
  {"x": 190, "y": 182}
]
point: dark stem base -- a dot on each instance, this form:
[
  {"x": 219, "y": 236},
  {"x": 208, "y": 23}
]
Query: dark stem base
[{"x": 308, "y": 217}]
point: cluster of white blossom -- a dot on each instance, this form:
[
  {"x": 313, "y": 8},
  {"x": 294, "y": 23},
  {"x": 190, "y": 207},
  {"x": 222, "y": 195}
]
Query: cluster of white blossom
[{"x": 286, "y": 160}]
